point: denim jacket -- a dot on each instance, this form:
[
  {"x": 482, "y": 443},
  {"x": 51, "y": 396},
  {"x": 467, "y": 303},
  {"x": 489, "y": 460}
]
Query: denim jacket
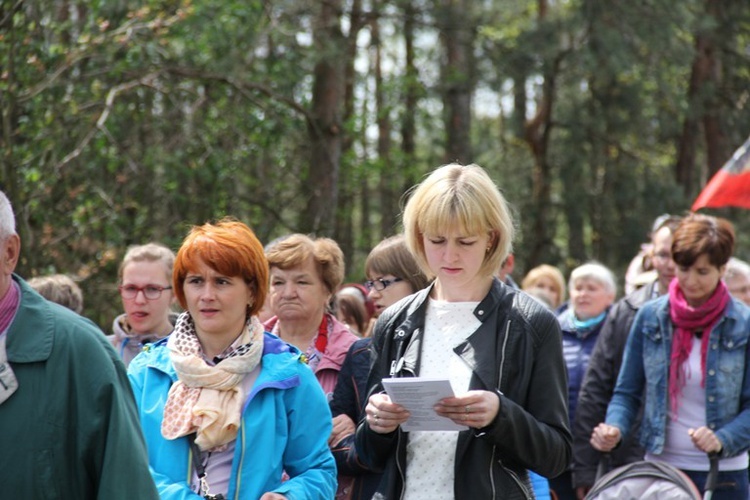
[{"x": 646, "y": 364}]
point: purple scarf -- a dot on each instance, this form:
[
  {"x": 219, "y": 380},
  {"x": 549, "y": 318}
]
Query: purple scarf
[{"x": 687, "y": 320}]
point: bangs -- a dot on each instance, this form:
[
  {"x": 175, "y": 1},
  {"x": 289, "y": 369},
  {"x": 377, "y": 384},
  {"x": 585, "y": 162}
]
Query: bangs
[
  {"x": 443, "y": 212},
  {"x": 218, "y": 255}
]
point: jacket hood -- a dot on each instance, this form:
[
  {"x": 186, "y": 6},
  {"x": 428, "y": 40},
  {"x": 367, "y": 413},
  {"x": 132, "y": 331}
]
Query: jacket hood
[{"x": 121, "y": 330}]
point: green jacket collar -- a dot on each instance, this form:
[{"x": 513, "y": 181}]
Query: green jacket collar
[{"x": 31, "y": 335}]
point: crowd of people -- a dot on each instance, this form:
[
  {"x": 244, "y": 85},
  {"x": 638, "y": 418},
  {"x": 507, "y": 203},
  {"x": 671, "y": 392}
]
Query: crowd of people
[{"x": 243, "y": 371}]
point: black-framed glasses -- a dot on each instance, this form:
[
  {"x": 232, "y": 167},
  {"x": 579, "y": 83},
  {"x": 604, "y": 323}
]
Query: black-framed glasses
[
  {"x": 381, "y": 284},
  {"x": 151, "y": 292}
]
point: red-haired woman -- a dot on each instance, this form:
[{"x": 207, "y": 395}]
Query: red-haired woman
[
  {"x": 227, "y": 409},
  {"x": 689, "y": 351}
]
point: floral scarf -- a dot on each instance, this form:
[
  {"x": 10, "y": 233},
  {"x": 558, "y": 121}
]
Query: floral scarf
[
  {"x": 208, "y": 399},
  {"x": 687, "y": 320}
]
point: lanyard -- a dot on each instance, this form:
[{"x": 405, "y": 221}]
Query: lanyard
[{"x": 200, "y": 469}]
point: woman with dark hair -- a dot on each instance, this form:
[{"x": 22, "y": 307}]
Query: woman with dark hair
[
  {"x": 689, "y": 351},
  {"x": 229, "y": 411},
  {"x": 351, "y": 311},
  {"x": 392, "y": 274}
]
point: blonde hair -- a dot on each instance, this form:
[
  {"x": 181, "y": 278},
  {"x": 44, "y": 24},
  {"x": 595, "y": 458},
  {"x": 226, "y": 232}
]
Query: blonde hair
[
  {"x": 150, "y": 252},
  {"x": 736, "y": 268},
  {"x": 461, "y": 197},
  {"x": 546, "y": 271}
]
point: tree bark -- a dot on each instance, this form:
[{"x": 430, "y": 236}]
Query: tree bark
[
  {"x": 536, "y": 133},
  {"x": 411, "y": 98},
  {"x": 702, "y": 110},
  {"x": 325, "y": 125},
  {"x": 457, "y": 77},
  {"x": 349, "y": 188}
]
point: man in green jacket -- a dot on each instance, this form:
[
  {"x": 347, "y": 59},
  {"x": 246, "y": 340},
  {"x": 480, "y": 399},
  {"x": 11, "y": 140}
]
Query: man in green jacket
[{"x": 68, "y": 423}]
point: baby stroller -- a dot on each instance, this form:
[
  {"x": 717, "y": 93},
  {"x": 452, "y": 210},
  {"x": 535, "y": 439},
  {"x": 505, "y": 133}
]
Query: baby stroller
[{"x": 650, "y": 480}]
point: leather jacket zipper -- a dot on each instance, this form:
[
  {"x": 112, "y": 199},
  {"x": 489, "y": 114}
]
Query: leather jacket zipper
[
  {"x": 398, "y": 362},
  {"x": 517, "y": 480},
  {"x": 502, "y": 357}
]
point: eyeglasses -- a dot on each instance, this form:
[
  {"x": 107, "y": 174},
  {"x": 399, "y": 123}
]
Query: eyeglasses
[
  {"x": 381, "y": 284},
  {"x": 663, "y": 255},
  {"x": 151, "y": 292}
]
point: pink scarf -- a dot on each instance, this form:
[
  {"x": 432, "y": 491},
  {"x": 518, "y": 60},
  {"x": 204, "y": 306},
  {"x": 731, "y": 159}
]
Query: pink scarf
[{"x": 687, "y": 320}]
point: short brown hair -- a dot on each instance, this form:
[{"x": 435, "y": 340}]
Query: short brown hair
[
  {"x": 352, "y": 310},
  {"x": 296, "y": 248},
  {"x": 59, "y": 288},
  {"x": 230, "y": 248},
  {"x": 700, "y": 234},
  {"x": 391, "y": 256}
]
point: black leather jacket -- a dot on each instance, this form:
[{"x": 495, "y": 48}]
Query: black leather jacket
[{"x": 517, "y": 353}]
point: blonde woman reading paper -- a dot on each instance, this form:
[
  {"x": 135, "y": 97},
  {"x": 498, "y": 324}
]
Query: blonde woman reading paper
[{"x": 500, "y": 349}]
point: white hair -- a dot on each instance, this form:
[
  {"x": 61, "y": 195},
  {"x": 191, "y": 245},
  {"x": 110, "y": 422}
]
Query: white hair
[
  {"x": 596, "y": 272},
  {"x": 7, "y": 219},
  {"x": 736, "y": 267}
]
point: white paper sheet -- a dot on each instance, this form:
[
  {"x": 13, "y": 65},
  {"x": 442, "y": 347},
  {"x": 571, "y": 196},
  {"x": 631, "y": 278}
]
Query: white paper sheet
[{"x": 419, "y": 395}]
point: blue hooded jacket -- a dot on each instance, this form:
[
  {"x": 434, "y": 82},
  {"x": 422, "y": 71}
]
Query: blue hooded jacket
[{"x": 285, "y": 427}]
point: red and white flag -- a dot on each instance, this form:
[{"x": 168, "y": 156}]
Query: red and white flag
[{"x": 731, "y": 185}]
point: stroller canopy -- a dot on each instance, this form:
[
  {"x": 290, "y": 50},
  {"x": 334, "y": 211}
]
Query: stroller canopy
[{"x": 644, "y": 480}]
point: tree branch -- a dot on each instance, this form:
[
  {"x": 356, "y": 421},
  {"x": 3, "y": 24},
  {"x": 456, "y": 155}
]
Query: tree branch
[{"x": 100, "y": 123}]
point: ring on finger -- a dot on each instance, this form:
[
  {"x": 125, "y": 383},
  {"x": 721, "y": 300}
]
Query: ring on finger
[{"x": 467, "y": 409}]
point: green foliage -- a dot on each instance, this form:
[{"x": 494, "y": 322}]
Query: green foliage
[{"x": 129, "y": 121}]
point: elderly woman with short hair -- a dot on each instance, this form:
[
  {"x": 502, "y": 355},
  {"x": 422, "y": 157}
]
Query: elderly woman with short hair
[
  {"x": 592, "y": 290},
  {"x": 305, "y": 273}
]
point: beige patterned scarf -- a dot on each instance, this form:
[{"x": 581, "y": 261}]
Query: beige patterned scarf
[{"x": 208, "y": 399}]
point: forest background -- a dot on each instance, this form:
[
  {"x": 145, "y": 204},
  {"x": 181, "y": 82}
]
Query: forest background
[{"x": 127, "y": 121}]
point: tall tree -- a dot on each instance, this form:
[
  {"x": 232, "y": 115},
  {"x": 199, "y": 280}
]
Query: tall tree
[
  {"x": 457, "y": 33},
  {"x": 325, "y": 126}
]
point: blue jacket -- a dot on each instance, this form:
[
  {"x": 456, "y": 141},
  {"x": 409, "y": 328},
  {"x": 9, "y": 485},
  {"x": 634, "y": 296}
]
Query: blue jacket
[
  {"x": 285, "y": 427},
  {"x": 577, "y": 349},
  {"x": 646, "y": 364}
]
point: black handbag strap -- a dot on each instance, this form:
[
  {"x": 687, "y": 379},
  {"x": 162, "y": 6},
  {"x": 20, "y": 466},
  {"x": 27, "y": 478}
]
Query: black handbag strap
[
  {"x": 198, "y": 465},
  {"x": 200, "y": 470}
]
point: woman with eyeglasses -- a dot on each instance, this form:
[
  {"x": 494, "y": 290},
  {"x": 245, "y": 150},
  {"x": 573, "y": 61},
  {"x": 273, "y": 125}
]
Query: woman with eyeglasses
[
  {"x": 304, "y": 274},
  {"x": 500, "y": 350},
  {"x": 227, "y": 409},
  {"x": 392, "y": 274},
  {"x": 145, "y": 275}
]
